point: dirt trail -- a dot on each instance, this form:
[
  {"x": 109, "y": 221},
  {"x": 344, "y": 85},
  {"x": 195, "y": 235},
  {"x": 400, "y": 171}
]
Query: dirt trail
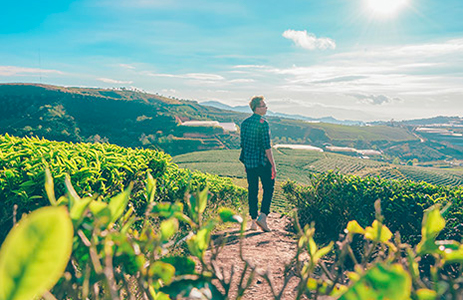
[{"x": 265, "y": 250}]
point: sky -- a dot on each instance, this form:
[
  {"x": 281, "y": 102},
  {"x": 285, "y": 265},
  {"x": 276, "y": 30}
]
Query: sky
[{"x": 351, "y": 59}]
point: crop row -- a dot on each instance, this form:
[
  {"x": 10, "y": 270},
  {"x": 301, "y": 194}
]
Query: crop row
[{"x": 96, "y": 169}]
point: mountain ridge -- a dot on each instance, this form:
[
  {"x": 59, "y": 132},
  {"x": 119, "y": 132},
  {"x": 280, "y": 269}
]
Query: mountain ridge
[
  {"x": 247, "y": 109},
  {"x": 133, "y": 118}
]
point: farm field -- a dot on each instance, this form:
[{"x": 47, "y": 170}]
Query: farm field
[{"x": 297, "y": 165}]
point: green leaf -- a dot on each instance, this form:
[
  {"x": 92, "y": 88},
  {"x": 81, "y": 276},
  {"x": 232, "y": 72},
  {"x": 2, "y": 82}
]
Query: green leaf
[
  {"x": 78, "y": 208},
  {"x": 433, "y": 222},
  {"x": 97, "y": 207},
  {"x": 162, "y": 270},
  {"x": 150, "y": 187},
  {"x": 432, "y": 225},
  {"x": 322, "y": 252},
  {"x": 35, "y": 254},
  {"x": 168, "y": 228},
  {"x": 118, "y": 204},
  {"x": 183, "y": 265},
  {"x": 202, "y": 200},
  {"x": 49, "y": 187},
  {"x": 377, "y": 233},
  {"x": 381, "y": 282},
  {"x": 160, "y": 296},
  {"x": 167, "y": 209},
  {"x": 71, "y": 192},
  {"x": 354, "y": 227},
  {"x": 227, "y": 215},
  {"x": 312, "y": 284},
  {"x": 425, "y": 294},
  {"x": 198, "y": 243},
  {"x": 455, "y": 256}
]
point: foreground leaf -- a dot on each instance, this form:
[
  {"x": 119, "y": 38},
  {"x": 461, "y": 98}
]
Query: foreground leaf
[
  {"x": 118, "y": 204},
  {"x": 381, "y": 282},
  {"x": 378, "y": 232},
  {"x": 35, "y": 253},
  {"x": 227, "y": 215},
  {"x": 433, "y": 223}
]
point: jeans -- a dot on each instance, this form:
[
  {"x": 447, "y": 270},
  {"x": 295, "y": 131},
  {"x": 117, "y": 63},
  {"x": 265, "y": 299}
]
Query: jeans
[{"x": 265, "y": 175}]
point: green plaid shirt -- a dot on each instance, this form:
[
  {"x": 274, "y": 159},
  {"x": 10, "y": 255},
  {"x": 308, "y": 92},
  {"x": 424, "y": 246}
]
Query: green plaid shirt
[{"x": 255, "y": 139}]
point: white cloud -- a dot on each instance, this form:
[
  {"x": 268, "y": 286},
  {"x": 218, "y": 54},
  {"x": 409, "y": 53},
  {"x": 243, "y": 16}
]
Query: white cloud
[
  {"x": 339, "y": 79},
  {"x": 20, "y": 71},
  {"x": 108, "y": 80},
  {"x": 172, "y": 91},
  {"x": 241, "y": 80},
  {"x": 309, "y": 41},
  {"x": 398, "y": 71},
  {"x": 249, "y": 67},
  {"x": 375, "y": 99},
  {"x": 196, "y": 76},
  {"x": 203, "y": 76},
  {"x": 126, "y": 66}
]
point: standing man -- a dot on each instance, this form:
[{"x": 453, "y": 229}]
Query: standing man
[{"x": 256, "y": 154}]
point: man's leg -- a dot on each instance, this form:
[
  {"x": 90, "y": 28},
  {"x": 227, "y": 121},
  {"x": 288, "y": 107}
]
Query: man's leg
[
  {"x": 268, "y": 186},
  {"x": 253, "y": 189}
]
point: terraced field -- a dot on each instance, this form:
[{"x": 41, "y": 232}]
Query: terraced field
[{"x": 297, "y": 165}]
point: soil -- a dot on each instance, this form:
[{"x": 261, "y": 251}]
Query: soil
[{"x": 270, "y": 252}]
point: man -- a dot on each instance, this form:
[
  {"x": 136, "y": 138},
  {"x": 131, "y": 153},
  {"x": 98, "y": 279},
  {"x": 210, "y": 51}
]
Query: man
[{"x": 256, "y": 154}]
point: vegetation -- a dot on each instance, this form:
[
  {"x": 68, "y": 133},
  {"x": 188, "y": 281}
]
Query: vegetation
[
  {"x": 98, "y": 170},
  {"x": 129, "y": 229},
  {"x": 298, "y": 165},
  {"x": 122, "y": 117},
  {"x": 332, "y": 200},
  {"x": 97, "y": 253}
]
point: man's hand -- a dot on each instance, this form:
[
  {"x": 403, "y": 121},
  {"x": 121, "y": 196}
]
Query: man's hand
[{"x": 274, "y": 172}]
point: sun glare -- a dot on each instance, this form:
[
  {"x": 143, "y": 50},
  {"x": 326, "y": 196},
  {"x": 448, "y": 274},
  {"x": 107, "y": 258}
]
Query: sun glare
[{"x": 386, "y": 7}]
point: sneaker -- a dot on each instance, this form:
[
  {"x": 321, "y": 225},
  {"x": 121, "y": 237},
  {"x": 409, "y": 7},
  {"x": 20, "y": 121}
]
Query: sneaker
[
  {"x": 253, "y": 225},
  {"x": 262, "y": 222}
]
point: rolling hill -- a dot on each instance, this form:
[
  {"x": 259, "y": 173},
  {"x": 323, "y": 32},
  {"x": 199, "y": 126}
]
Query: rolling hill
[{"x": 137, "y": 119}]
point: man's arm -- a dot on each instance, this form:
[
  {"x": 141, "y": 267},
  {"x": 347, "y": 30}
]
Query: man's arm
[
  {"x": 269, "y": 155},
  {"x": 268, "y": 147}
]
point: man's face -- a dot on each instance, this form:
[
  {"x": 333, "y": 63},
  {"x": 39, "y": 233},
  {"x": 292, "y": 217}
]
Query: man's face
[{"x": 261, "y": 109}]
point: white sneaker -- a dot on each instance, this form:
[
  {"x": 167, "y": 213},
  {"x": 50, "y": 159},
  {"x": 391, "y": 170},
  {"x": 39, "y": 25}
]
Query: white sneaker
[
  {"x": 262, "y": 222},
  {"x": 253, "y": 225}
]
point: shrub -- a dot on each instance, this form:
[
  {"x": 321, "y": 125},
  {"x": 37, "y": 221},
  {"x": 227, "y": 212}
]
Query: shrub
[
  {"x": 94, "y": 169},
  {"x": 332, "y": 200}
]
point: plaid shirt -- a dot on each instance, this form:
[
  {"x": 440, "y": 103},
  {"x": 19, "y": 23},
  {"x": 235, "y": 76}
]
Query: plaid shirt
[{"x": 255, "y": 139}]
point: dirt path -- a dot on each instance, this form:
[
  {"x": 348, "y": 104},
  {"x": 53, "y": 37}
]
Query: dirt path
[{"x": 265, "y": 250}]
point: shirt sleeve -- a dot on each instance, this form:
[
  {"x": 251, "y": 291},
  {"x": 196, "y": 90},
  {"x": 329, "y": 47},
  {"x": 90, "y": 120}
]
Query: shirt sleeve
[{"x": 266, "y": 136}]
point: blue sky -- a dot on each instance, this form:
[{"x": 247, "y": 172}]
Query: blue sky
[{"x": 351, "y": 59}]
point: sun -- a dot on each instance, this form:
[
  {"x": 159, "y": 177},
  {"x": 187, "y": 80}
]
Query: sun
[{"x": 386, "y": 8}]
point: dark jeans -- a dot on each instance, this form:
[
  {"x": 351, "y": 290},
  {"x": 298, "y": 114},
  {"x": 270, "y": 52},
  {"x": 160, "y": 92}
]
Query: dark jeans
[{"x": 265, "y": 175}]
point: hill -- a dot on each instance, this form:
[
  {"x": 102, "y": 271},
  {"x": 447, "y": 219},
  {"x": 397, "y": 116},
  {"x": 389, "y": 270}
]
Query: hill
[
  {"x": 137, "y": 119},
  {"x": 126, "y": 118},
  {"x": 246, "y": 109},
  {"x": 297, "y": 165}
]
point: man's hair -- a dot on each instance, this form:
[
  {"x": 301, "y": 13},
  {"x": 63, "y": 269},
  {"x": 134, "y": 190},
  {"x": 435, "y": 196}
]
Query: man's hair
[{"x": 255, "y": 102}]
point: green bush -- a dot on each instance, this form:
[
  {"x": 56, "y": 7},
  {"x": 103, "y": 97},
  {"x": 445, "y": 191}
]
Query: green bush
[
  {"x": 332, "y": 200},
  {"x": 94, "y": 169}
]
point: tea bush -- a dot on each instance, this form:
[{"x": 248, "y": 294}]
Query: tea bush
[
  {"x": 94, "y": 169},
  {"x": 332, "y": 200}
]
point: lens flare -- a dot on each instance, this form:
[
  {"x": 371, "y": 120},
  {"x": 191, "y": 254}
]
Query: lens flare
[{"x": 386, "y": 7}]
